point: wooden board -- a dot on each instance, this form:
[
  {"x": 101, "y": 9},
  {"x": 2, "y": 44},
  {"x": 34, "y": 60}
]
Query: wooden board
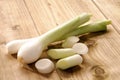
[
  {"x": 110, "y": 9},
  {"x": 16, "y": 23},
  {"x": 30, "y": 18}
]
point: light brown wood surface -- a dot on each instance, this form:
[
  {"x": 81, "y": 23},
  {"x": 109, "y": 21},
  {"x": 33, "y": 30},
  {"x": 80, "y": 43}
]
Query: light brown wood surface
[{"x": 21, "y": 19}]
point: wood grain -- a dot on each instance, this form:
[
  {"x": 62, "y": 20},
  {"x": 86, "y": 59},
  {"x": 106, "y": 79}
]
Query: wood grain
[
  {"x": 30, "y": 18},
  {"x": 111, "y": 10},
  {"x": 16, "y": 23},
  {"x": 97, "y": 59}
]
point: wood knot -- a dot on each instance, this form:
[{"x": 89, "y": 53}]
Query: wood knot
[
  {"x": 99, "y": 70},
  {"x": 49, "y": 4},
  {"x": 57, "y": 24},
  {"x": 90, "y": 43},
  {"x": 15, "y": 27},
  {"x": 2, "y": 39}
]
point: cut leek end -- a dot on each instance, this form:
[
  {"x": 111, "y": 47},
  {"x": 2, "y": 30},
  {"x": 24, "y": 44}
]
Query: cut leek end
[
  {"x": 80, "y": 48},
  {"x": 107, "y": 22},
  {"x": 69, "y": 62},
  {"x": 70, "y": 41},
  {"x": 61, "y": 64}
]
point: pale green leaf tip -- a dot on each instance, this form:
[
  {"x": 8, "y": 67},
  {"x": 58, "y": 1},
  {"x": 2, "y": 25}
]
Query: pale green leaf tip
[
  {"x": 108, "y": 22},
  {"x": 90, "y": 14}
]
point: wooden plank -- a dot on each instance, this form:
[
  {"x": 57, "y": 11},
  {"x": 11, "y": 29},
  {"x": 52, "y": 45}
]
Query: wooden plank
[
  {"x": 98, "y": 64},
  {"x": 93, "y": 64},
  {"x": 11, "y": 70},
  {"x": 49, "y": 13},
  {"x": 16, "y": 23},
  {"x": 111, "y": 10},
  {"x": 41, "y": 14}
]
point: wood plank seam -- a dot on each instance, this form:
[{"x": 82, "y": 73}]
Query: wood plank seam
[
  {"x": 52, "y": 14},
  {"x": 38, "y": 30},
  {"x": 31, "y": 17},
  {"x": 104, "y": 15},
  {"x": 36, "y": 25}
]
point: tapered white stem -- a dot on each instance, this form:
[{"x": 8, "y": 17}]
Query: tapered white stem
[{"x": 14, "y": 46}]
